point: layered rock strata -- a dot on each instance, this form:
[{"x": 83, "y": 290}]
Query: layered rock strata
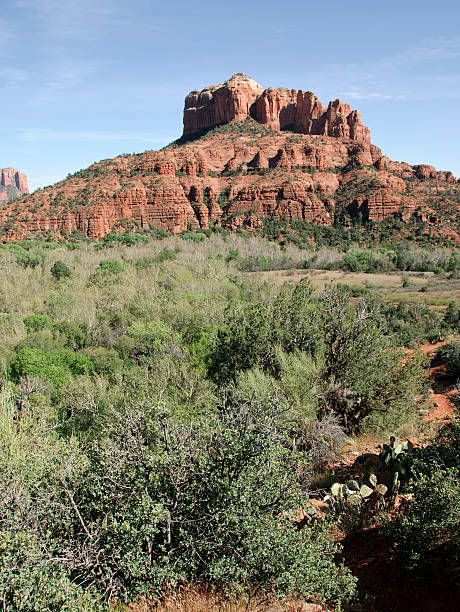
[
  {"x": 279, "y": 109},
  {"x": 236, "y": 176}
]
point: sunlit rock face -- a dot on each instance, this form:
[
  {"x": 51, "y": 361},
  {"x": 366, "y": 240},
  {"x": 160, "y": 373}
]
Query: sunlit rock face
[
  {"x": 13, "y": 183},
  {"x": 280, "y": 109}
]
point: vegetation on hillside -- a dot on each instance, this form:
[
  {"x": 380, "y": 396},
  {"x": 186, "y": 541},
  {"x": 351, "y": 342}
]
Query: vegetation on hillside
[{"x": 427, "y": 214}]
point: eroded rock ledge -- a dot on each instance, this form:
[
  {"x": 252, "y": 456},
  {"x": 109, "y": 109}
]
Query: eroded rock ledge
[{"x": 279, "y": 109}]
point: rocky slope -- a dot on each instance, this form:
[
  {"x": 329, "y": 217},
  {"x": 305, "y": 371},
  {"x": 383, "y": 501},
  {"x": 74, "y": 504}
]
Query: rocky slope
[
  {"x": 13, "y": 183},
  {"x": 246, "y": 154}
]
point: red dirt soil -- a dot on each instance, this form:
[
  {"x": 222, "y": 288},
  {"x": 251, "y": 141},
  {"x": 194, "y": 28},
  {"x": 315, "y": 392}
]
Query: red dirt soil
[
  {"x": 382, "y": 584},
  {"x": 441, "y": 407}
]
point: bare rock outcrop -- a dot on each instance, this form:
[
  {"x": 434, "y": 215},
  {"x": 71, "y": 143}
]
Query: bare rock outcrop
[
  {"x": 13, "y": 183},
  {"x": 279, "y": 109},
  {"x": 218, "y": 104}
]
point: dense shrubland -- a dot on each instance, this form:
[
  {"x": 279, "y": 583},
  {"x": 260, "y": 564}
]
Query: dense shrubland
[
  {"x": 426, "y": 533},
  {"x": 252, "y": 253},
  {"x": 162, "y": 414}
]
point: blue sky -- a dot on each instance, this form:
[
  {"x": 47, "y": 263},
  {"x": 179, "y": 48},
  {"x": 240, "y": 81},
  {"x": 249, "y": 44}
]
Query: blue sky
[{"x": 83, "y": 80}]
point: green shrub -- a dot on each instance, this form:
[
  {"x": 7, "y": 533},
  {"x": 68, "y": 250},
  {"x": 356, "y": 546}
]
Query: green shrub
[
  {"x": 74, "y": 335},
  {"x": 200, "y": 349},
  {"x": 157, "y": 233},
  {"x": 56, "y": 367},
  {"x": 450, "y": 354},
  {"x": 30, "y": 580},
  {"x": 260, "y": 262},
  {"x": 366, "y": 261},
  {"x": 106, "y": 360},
  {"x": 363, "y": 376},
  {"x": 112, "y": 240},
  {"x": 112, "y": 266},
  {"x": 246, "y": 341},
  {"x": 164, "y": 255},
  {"x": 27, "y": 256},
  {"x": 193, "y": 236},
  {"x": 411, "y": 324},
  {"x": 427, "y": 533},
  {"x": 60, "y": 270},
  {"x": 37, "y": 322},
  {"x": 34, "y": 570},
  {"x": 452, "y": 315},
  {"x": 147, "y": 339},
  {"x": 214, "y": 504},
  {"x": 365, "y": 379},
  {"x": 232, "y": 256}
]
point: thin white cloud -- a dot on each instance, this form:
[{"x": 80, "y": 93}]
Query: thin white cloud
[
  {"x": 140, "y": 25},
  {"x": 63, "y": 76},
  {"x": 423, "y": 72},
  {"x": 430, "y": 51},
  {"x": 70, "y": 21},
  {"x": 12, "y": 76},
  {"x": 64, "y": 18},
  {"x": 5, "y": 36},
  {"x": 361, "y": 95},
  {"x": 61, "y": 68}
]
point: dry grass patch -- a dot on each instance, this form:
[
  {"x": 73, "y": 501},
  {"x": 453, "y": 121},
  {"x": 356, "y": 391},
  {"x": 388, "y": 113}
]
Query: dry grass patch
[{"x": 191, "y": 599}]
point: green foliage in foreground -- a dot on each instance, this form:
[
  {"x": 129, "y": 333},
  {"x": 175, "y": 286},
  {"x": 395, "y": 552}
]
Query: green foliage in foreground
[
  {"x": 146, "y": 502},
  {"x": 30, "y": 581},
  {"x": 156, "y": 408},
  {"x": 427, "y": 533},
  {"x": 363, "y": 376}
]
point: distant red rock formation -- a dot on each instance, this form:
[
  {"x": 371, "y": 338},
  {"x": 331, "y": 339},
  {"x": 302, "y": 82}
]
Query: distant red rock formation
[
  {"x": 279, "y": 109},
  {"x": 16, "y": 180}
]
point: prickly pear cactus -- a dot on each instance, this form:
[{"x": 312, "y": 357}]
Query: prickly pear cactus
[
  {"x": 355, "y": 493},
  {"x": 397, "y": 457}
]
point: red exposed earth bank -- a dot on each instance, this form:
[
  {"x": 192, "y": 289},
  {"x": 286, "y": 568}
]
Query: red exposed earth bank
[{"x": 272, "y": 153}]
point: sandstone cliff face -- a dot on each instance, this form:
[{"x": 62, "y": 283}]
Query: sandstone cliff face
[
  {"x": 218, "y": 104},
  {"x": 252, "y": 168},
  {"x": 13, "y": 183},
  {"x": 279, "y": 109}
]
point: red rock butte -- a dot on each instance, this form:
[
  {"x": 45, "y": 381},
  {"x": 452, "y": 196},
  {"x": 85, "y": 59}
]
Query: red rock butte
[
  {"x": 15, "y": 179},
  {"x": 279, "y": 109},
  {"x": 246, "y": 154}
]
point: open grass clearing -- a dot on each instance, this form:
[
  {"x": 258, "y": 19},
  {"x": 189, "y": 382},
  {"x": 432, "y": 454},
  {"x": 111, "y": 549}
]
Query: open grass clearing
[
  {"x": 320, "y": 278},
  {"x": 424, "y": 287}
]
